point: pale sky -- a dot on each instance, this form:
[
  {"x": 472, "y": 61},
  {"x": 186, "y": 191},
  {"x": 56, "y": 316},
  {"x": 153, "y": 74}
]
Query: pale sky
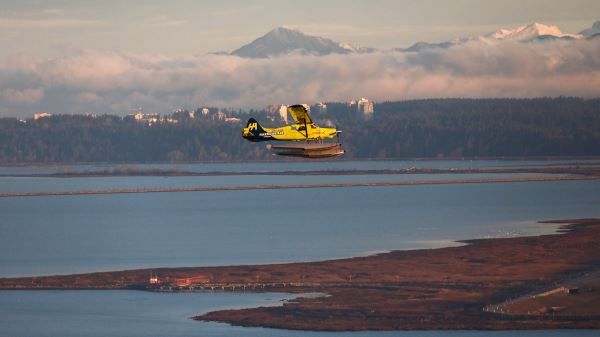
[
  {"x": 48, "y": 28},
  {"x": 65, "y": 56}
]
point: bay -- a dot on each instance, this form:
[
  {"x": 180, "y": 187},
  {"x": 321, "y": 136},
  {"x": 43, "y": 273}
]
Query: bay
[
  {"x": 128, "y": 313},
  {"x": 72, "y": 234}
]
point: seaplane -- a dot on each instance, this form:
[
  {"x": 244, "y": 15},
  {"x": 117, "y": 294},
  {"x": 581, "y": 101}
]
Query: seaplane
[{"x": 304, "y": 136}]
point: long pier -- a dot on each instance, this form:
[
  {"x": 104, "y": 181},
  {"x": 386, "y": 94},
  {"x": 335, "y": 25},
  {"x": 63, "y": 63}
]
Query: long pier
[
  {"x": 236, "y": 286},
  {"x": 296, "y": 186}
]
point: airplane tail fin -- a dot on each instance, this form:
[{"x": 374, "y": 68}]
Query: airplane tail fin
[
  {"x": 251, "y": 123},
  {"x": 254, "y": 132},
  {"x": 254, "y": 127}
]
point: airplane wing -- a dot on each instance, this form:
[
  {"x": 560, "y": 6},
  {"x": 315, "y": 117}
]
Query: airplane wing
[{"x": 299, "y": 114}]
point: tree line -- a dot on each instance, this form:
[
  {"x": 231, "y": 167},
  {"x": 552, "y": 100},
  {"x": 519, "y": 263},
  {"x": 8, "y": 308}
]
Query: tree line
[{"x": 441, "y": 128}]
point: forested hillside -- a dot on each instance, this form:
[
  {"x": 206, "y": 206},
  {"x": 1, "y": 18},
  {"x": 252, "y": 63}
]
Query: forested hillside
[{"x": 420, "y": 128}]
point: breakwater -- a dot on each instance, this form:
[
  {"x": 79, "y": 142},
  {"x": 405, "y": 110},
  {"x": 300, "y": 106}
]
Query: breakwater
[{"x": 296, "y": 186}]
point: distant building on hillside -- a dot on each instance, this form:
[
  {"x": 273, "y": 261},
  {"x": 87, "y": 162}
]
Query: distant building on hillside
[
  {"x": 272, "y": 108},
  {"x": 169, "y": 120},
  {"x": 365, "y": 107},
  {"x": 277, "y": 113},
  {"x": 273, "y": 112},
  {"x": 283, "y": 115},
  {"x": 183, "y": 114},
  {"x": 41, "y": 115},
  {"x": 220, "y": 115},
  {"x": 321, "y": 108},
  {"x": 147, "y": 118},
  {"x": 154, "y": 279}
]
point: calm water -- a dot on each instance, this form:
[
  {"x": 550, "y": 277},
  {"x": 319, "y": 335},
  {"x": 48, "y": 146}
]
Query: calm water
[
  {"x": 29, "y": 184},
  {"x": 68, "y": 234},
  {"x": 135, "y": 313}
]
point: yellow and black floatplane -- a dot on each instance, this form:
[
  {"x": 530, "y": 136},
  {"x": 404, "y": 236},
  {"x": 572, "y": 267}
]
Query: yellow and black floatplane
[{"x": 305, "y": 138}]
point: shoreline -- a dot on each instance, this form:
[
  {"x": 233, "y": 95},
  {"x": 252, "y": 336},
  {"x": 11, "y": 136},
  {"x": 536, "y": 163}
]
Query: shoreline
[
  {"x": 303, "y": 186},
  {"x": 571, "y": 169},
  {"x": 296, "y": 160},
  {"x": 422, "y": 289},
  {"x": 550, "y": 227}
]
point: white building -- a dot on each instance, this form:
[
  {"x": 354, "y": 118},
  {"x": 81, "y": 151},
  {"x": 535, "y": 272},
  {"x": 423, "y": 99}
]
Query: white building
[
  {"x": 148, "y": 118},
  {"x": 41, "y": 115},
  {"x": 365, "y": 106},
  {"x": 273, "y": 112},
  {"x": 204, "y": 111},
  {"x": 321, "y": 107},
  {"x": 169, "y": 120},
  {"x": 283, "y": 113},
  {"x": 154, "y": 279}
]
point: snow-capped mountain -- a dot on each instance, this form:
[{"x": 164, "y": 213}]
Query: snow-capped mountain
[
  {"x": 532, "y": 32},
  {"x": 535, "y": 32},
  {"x": 282, "y": 40},
  {"x": 594, "y": 30},
  {"x": 355, "y": 49}
]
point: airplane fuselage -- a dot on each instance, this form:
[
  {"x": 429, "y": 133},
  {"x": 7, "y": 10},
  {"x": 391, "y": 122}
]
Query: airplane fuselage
[{"x": 254, "y": 132}]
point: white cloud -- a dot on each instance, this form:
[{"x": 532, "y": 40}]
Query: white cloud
[
  {"x": 54, "y": 11},
  {"x": 22, "y": 97},
  {"x": 87, "y": 97},
  {"x": 115, "y": 82},
  {"x": 41, "y": 23}
]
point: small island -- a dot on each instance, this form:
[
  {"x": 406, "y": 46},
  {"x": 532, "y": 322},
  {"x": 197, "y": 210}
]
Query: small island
[{"x": 536, "y": 282}]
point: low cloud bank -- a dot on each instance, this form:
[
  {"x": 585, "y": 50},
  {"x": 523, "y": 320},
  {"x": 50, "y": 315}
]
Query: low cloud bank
[{"x": 118, "y": 82}]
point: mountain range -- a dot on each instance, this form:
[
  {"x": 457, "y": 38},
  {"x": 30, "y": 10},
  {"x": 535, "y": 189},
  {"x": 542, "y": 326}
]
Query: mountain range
[{"x": 284, "y": 41}]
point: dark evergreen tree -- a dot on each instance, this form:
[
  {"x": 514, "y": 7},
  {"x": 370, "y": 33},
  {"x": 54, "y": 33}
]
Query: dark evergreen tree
[{"x": 420, "y": 128}]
